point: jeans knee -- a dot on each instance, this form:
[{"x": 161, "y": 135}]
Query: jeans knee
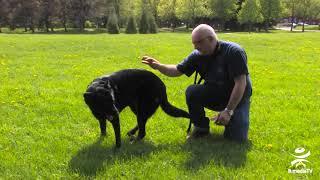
[{"x": 191, "y": 93}]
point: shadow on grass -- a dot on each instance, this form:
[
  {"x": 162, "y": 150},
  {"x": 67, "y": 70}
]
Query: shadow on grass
[
  {"x": 217, "y": 150},
  {"x": 214, "y": 149},
  {"x": 96, "y": 157}
]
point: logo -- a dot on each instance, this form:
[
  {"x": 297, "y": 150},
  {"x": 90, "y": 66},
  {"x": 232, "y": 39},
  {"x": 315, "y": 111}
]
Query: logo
[{"x": 300, "y": 164}]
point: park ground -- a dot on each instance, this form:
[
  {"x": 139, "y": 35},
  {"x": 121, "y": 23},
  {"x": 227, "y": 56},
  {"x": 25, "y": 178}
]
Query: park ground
[{"x": 48, "y": 132}]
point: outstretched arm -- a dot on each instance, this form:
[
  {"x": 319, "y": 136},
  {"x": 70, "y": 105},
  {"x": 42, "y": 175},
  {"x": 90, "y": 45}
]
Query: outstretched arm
[{"x": 166, "y": 69}]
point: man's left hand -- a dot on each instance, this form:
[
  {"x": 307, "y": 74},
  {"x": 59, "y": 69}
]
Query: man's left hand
[{"x": 222, "y": 119}]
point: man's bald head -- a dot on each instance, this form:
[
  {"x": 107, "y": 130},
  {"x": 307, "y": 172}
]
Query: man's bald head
[
  {"x": 202, "y": 31},
  {"x": 204, "y": 39}
]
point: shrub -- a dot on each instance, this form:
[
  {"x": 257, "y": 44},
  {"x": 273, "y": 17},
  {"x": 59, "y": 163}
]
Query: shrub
[
  {"x": 88, "y": 24},
  {"x": 144, "y": 26},
  {"x": 131, "y": 26},
  {"x": 152, "y": 25}
]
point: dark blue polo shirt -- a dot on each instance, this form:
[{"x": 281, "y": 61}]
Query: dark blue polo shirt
[{"x": 219, "y": 69}]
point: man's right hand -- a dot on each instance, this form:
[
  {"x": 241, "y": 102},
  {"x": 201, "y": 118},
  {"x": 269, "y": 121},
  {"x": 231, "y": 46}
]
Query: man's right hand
[{"x": 153, "y": 63}]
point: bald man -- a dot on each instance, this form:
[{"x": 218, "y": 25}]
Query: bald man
[{"x": 226, "y": 88}]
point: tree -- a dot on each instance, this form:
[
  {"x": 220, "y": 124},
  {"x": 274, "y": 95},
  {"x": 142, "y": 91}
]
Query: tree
[
  {"x": 303, "y": 10},
  {"x": 126, "y": 11},
  {"x": 144, "y": 25},
  {"x": 48, "y": 11},
  {"x": 189, "y": 10},
  {"x": 154, "y": 6},
  {"x": 270, "y": 10},
  {"x": 26, "y": 13},
  {"x": 64, "y": 13},
  {"x": 132, "y": 26},
  {"x": 307, "y": 10},
  {"x": 239, "y": 5},
  {"x": 223, "y": 10},
  {"x": 152, "y": 24},
  {"x": 112, "y": 25},
  {"x": 81, "y": 11},
  {"x": 167, "y": 12},
  {"x": 250, "y": 13},
  {"x": 315, "y": 11},
  {"x": 4, "y": 13},
  {"x": 291, "y": 5},
  {"x": 147, "y": 20}
]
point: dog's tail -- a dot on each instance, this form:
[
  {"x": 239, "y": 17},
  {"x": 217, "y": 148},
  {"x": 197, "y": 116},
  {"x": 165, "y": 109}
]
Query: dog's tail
[{"x": 170, "y": 109}]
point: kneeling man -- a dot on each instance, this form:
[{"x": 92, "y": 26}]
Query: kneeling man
[{"x": 227, "y": 85}]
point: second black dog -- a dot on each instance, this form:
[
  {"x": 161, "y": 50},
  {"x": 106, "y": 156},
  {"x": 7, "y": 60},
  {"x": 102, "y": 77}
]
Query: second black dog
[{"x": 139, "y": 89}]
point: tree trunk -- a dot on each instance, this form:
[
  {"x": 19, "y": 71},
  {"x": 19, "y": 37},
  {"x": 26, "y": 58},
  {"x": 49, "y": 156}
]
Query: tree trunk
[
  {"x": 117, "y": 9},
  {"x": 82, "y": 23},
  {"x": 32, "y": 27},
  {"x": 47, "y": 25},
  {"x": 12, "y": 27},
  {"x": 221, "y": 26},
  {"x": 266, "y": 25},
  {"x": 173, "y": 25},
  {"x": 292, "y": 14},
  {"x": 64, "y": 24}
]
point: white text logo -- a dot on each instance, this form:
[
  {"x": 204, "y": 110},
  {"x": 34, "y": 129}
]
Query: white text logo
[{"x": 299, "y": 165}]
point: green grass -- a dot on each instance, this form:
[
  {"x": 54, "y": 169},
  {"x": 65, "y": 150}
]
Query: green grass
[{"x": 47, "y": 130}]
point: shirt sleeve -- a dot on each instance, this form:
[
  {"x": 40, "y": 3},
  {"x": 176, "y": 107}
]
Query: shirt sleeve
[
  {"x": 187, "y": 66},
  {"x": 237, "y": 63}
]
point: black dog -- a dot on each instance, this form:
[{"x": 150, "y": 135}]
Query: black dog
[{"x": 139, "y": 89}]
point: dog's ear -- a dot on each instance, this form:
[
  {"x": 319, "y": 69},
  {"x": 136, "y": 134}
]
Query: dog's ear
[{"x": 88, "y": 95}]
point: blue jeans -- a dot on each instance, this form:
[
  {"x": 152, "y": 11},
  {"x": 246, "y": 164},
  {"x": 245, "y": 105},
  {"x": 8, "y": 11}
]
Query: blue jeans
[{"x": 203, "y": 96}]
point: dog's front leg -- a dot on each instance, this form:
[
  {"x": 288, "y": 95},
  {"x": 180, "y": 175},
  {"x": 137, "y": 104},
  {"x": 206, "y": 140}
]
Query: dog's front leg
[
  {"x": 103, "y": 125},
  {"x": 116, "y": 127}
]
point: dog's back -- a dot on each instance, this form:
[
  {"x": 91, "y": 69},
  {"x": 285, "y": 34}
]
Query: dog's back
[{"x": 143, "y": 83}]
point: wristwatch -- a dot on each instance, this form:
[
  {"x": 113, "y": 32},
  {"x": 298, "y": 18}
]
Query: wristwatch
[{"x": 229, "y": 111}]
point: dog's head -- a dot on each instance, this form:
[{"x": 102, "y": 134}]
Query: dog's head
[{"x": 101, "y": 101}]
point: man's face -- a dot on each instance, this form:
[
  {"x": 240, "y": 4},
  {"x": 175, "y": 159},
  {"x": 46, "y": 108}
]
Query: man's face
[{"x": 204, "y": 44}]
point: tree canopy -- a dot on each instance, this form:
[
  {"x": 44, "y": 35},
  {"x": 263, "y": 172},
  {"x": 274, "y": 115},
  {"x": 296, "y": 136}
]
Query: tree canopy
[{"x": 46, "y": 15}]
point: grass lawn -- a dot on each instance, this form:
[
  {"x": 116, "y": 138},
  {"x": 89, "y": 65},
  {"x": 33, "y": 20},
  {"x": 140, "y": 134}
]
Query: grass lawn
[{"x": 47, "y": 131}]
